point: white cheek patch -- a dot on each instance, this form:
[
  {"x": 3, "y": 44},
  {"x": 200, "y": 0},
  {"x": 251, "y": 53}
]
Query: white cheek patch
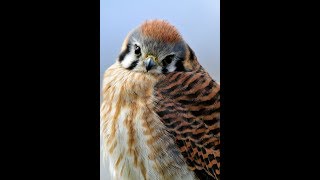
[
  {"x": 172, "y": 66},
  {"x": 128, "y": 60}
]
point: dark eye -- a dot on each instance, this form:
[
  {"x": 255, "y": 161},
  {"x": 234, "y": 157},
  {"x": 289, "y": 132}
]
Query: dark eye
[
  {"x": 137, "y": 49},
  {"x": 167, "y": 60}
]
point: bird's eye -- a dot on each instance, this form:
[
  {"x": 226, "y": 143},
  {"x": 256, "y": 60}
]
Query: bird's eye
[
  {"x": 167, "y": 60},
  {"x": 137, "y": 49}
]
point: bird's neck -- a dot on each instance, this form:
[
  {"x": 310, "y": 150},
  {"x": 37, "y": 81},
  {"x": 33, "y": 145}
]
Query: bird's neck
[{"x": 128, "y": 83}]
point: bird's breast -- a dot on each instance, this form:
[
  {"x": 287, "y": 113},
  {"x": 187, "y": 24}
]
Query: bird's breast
[{"x": 136, "y": 143}]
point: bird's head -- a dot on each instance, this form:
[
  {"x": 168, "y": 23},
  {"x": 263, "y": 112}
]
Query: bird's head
[{"x": 156, "y": 47}]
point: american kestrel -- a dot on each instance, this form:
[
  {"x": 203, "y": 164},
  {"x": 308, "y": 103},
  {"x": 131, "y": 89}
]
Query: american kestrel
[{"x": 160, "y": 115}]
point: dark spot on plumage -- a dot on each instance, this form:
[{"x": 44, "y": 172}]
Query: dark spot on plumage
[
  {"x": 173, "y": 125},
  {"x": 198, "y": 148},
  {"x": 209, "y": 145},
  {"x": 181, "y": 143},
  {"x": 182, "y": 128},
  {"x": 164, "y": 70},
  {"x": 202, "y": 103},
  {"x": 203, "y": 140},
  {"x": 214, "y": 147},
  {"x": 133, "y": 64},
  {"x": 168, "y": 120},
  {"x": 195, "y": 163},
  {"x": 217, "y": 146},
  {"x": 195, "y": 156},
  {"x": 214, "y": 131},
  {"x": 184, "y": 153},
  {"x": 167, "y": 91},
  {"x": 218, "y": 159},
  {"x": 184, "y": 83},
  {"x": 206, "y": 160},
  {"x": 190, "y": 162},
  {"x": 208, "y": 89},
  {"x": 201, "y": 129},
  {"x": 193, "y": 144},
  {"x": 124, "y": 53},
  {"x": 186, "y": 102},
  {"x": 211, "y": 157},
  {"x": 187, "y": 134},
  {"x": 210, "y": 101},
  {"x": 173, "y": 133},
  {"x": 170, "y": 107},
  {"x": 194, "y": 95},
  {"x": 196, "y": 136},
  {"x": 189, "y": 120},
  {"x": 175, "y": 96},
  {"x": 203, "y": 150},
  {"x": 193, "y": 83},
  {"x": 162, "y": 113},
  {"x": 211, "y": 121},
  {"x": 179, "y": 75},
  {"x": 195, "y": 123},
  {"x": 201, "y": 158},
  {"x": 202, "y": 174},
  {"x": 204, "y": 111}
]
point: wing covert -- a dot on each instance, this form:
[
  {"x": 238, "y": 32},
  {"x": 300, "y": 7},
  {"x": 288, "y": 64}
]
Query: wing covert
[{"x": 188, "y": 103}]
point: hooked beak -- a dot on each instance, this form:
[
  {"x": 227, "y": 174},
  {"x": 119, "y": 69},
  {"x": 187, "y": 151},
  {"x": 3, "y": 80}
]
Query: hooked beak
[{"x": 150, "y": 62}]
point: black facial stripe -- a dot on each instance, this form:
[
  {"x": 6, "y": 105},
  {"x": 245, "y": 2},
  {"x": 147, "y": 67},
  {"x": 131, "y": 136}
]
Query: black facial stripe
[
  {"x": 164, "y": 70},
  {"x": 133, "y": 64},
  {"x": 191, "y": 55},
  {"x": 167, "y": 60},
  {"x": 124, "y": 53},
  {"x": 179, "y": 65}
]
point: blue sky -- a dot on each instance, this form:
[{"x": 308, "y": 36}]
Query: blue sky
[{"x": 198, "y": 21}]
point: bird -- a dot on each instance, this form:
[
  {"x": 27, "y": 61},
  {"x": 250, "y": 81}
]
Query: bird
[{"x": 160, "y": 113}]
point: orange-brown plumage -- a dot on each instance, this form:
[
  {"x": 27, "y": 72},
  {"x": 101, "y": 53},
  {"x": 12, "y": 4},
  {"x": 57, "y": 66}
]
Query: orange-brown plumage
[{"x": 161, "y": 30}]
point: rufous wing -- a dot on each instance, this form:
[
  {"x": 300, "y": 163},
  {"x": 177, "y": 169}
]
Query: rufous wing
[{"x": 188, "y": 103}]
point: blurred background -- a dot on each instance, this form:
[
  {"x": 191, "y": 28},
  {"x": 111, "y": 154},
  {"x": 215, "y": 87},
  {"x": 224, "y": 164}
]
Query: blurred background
[{"x": 197, "y": 21}]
